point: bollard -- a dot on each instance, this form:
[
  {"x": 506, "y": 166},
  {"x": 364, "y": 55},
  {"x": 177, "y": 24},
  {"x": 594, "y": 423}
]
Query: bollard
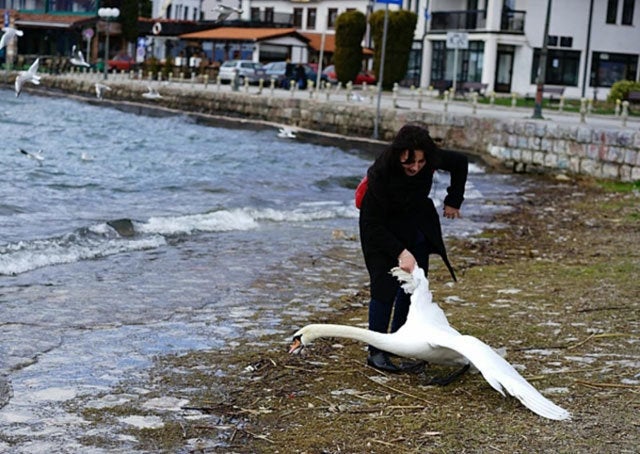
[
  {"x": 218, "y": 82},
  {"x": 292, "y": 86},
  {"x": 349, "y": 88},
  {"x": 412, "y": 92},
  {"x": 170, "y": 77},
  {"x": 492, "y": 98},
  {"x": 150, "y": 76},
  {"x": 420, "y": 98},
  {"x": 395, "y": 95},
  {"x": 446, "y": 101},
  {"x": 327, "y": 91},
  {"x": 561, "y": 104},
  {"x": 474, "y": 102},
  {"x": 513, "y": 100},
  {"x": 181, "y": 76},
  {"x": 272, "y": 86},
  {"x": 235, "y": 81},
  {"x": 310, "y": 85},
  {"x": 625, "y": 113},
  {"x": 583, "y": 110},
  {"x": 246, "y": 85},
  {"x": 617, "y": 110},
  {"x": 205, "y": 80},
  {"x": 260, "y": 85},
  {"x": 589, "y": 106}
]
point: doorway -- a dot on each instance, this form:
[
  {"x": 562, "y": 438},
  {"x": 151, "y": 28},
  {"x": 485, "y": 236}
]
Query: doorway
[{"x": 504, "y": 69}]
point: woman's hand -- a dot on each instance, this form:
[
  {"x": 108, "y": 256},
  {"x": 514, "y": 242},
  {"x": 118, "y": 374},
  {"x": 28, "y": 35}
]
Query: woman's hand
[
  {"x": 406, "y": 261},
  {"x": 451, "y": 213}
]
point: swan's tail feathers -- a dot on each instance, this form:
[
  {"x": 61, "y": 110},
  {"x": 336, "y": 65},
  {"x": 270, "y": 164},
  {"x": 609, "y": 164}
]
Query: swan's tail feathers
[{"x": 537, "y": 403}]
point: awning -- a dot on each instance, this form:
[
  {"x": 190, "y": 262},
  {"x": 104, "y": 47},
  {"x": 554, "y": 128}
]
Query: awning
[
  {"x": 315, "y": 42},
  {"x": 244, "y": 34},
  {"x": 41, "y": 20}
]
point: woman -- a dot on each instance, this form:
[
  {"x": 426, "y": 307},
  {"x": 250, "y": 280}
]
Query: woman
[{"x": 399, "y": 225}]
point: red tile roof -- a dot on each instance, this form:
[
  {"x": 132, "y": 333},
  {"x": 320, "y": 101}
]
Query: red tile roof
[{"x": 243, "y": 34}]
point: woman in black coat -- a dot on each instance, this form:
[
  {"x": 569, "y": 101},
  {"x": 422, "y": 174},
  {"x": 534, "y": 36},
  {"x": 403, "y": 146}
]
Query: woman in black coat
[{"x": 399, "y": 225}]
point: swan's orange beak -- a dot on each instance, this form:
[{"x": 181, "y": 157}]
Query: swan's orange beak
[{"x": 296, "y": 346}]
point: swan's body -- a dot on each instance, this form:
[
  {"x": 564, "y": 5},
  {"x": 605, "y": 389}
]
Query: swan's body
[
  {"x": 427, "y": 335},
  {"x": 287, "y": 133},
  {"x": 31, "y": 75},
  {"x": 9, "y": 34},
  {"x": 77, "y": 59}
]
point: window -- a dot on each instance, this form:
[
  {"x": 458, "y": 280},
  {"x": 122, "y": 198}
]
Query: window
[
  {"x": 332, "y": 15},
  {"x": 255, "y": 14},
  {"x": 311, "y": 19},
  {"x": 607, "y": 68},
  {"x": 469, "y": 65},
  {"x": 627, "y": 11},
  {"x": 612, "y": 11},
  {"x": 268, "y": 15},
  {"x": 566, "y": 41},
  {"x": 297, "y": 17},
  {"x": 562, "y": 67},
  {"x": 552, "y": 40},
  {"x": 186, "y": 13}
]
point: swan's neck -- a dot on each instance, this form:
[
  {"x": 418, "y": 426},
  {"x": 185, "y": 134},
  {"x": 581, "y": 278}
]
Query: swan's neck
[{"x": 379, "y": 340}]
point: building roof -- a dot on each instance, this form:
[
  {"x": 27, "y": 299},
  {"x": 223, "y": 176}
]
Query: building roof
[
  {"x": 315, "y": 42},
  {"x": 244, "y": 34},
  {"x": 43, "y": 20}
]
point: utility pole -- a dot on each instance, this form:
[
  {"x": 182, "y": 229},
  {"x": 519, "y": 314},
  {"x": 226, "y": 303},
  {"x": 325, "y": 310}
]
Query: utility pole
[{"x": 542, "y": 66}]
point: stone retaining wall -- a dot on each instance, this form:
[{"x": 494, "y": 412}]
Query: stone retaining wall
[{"x": 524, "y": 145}]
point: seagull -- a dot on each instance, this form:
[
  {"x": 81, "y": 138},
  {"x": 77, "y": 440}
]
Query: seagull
[
  {"x": 152, "y": 93},
  {"x": 226, "y": 11},
  {"x": 287, "y": 133},
  {"x": 9, "y": 34},
  {"x": 84, "y": 156},
  {"x": 427, "y": 335},
  {"x": 100, "y": 89},
  {"x": 77, "y": 59},
  {"x": 35, "y": 156},
  {"x": 31, "y": 75}
]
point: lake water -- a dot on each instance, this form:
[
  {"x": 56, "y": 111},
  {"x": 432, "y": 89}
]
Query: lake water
[{"x": 231, "y": 227}]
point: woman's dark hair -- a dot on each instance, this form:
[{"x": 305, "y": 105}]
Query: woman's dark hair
[{"x": 412, "y": 136}]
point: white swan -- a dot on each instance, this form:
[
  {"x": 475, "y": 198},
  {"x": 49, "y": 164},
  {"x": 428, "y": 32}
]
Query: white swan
[
  {"x": 31, "y": 75},
  {"x": 427, "y": 335},
  {"x": 286, "y": 133}
]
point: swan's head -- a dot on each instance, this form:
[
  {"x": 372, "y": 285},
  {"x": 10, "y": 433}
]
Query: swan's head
[{"x": 303, "y": 337}]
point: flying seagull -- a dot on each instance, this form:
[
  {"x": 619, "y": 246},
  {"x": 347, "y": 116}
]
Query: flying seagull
[
  {"x": 35, "y": 156},
  {"x": 427, "y": 335},
  {"x": 287, "y": 133},
  {"x": 9, "y": 34},
  {"x": 226, "y": 11},
  {"x": 31, "y": 75},
  {"x": 152, "y": 93},
  {"x": 100, "y": 89},
  {"x": 77, "y": 59}
]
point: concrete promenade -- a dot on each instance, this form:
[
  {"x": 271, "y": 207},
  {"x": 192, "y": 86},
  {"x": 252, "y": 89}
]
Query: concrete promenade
[{"x": 604, "y": 146}]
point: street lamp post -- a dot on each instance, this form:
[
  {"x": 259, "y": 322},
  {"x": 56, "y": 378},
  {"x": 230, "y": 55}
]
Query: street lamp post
[
  {"x": 107, "y": 14},
  {"x": 542, "y": 66}
]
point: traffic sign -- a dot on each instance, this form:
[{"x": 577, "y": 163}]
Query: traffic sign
[
  {"x": 391, "y": 2},
  {"x": 457, "y": 40}
]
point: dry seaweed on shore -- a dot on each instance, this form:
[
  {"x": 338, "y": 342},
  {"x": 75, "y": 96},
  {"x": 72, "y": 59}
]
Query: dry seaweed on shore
[{"x": 558, "y": 287}]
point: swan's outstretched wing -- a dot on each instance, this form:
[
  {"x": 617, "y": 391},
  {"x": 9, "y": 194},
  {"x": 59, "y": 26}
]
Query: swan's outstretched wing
[{"x": 502, "y": 376}]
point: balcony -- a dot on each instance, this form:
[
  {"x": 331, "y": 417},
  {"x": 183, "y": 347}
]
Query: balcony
[
  {"x": 512, "y": 21},
  {"x": 459, "y": 20}
]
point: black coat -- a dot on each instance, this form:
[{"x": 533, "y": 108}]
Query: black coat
[{"x": 395, "y": 207}]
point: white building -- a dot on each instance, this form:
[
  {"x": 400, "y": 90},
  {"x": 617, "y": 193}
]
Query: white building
[{"x": 591, "y": 43}]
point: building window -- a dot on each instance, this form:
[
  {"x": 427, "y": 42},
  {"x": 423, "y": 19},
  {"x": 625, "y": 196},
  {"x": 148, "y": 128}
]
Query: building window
[
  {"x": 469, "y": 65},
  {"x": 607, "y": 68},
  {"x": 552, "y": 40},
  {"x": 562, "y": 67},
  {"x": 612, "y": 11},
  {"x": 311, "y": 19},
  {"x": 255, "y": 14},
  {"x": 268, "y": 15},
  {"x": 297, "y": 17},
  {"x": 186, "y": 13},
  {"x": 332, "y": 15},
  {"x": 627, "y": 11},
  {"x": 566, "y": 41}
]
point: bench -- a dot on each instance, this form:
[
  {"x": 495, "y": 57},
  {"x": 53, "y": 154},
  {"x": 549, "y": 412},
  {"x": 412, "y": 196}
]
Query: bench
[
  {"x": 549, "y": 91},
  {"x": 633, "y": 96}
]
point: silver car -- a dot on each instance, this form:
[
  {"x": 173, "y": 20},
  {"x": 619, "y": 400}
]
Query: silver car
[{"x": 246, "y": 70}]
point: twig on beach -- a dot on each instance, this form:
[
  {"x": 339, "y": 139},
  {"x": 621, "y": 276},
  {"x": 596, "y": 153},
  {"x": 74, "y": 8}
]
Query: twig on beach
[
  {"x": 595, "y": 336},
  {"x": 606, "y": 385},
  {"x": 606, "y": 308},
  {"x": 397, "y": 390}
]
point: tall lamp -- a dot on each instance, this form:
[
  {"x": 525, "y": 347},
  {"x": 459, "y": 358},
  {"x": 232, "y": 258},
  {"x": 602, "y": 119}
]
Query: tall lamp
[{"x": 107, "y": 14}]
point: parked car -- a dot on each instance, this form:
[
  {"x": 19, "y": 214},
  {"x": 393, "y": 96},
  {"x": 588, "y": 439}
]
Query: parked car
[
  {"x": 361, "y": 77},
  {"x": 246, "y": 69},
  {"x": 284, "y": 72},
  {"x": 122, "y": 62}
]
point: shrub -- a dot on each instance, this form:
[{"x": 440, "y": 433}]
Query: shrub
[
  {"x": 347, "y": 58},
  {"x": 620, "y": 90}
]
